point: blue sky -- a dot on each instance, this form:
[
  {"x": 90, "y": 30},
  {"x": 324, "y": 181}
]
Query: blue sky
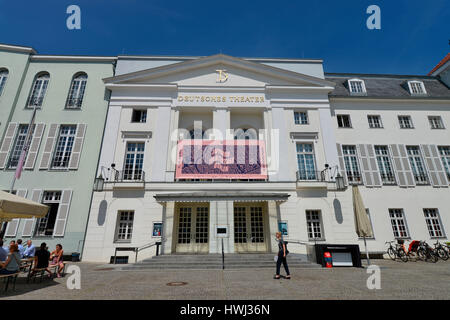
[{"x": 414, "y": 35}]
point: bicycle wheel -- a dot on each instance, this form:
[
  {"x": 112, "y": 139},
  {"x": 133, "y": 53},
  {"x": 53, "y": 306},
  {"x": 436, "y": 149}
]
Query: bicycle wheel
[
  {"x": 433, "y": 256},
  {"x": 391, "y": 254},
  {"x": 402, "y": 255},
  {"x": 442, "y": 254},
  {"x": 421, "y": 254}
]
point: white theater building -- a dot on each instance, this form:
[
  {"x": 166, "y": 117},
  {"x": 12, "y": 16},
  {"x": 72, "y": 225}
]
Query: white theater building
[{"x": 385, "y": 133}]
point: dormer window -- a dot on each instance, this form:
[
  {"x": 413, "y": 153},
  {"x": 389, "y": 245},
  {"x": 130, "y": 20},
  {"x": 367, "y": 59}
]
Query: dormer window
[
  {"x": 357, "y": 87},
  {"x": 416, "y": 88}
]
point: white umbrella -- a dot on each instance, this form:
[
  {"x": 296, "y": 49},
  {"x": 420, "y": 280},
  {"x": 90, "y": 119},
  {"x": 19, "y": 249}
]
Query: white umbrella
[
  {"x": 13, "y": 207},
  {"x": 362, "y": 223}
]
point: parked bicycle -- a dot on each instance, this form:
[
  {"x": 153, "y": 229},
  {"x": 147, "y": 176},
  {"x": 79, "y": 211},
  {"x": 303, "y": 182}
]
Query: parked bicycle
[
  {"x": 440, "y": 251},
  {"x": 426, "y": 253},
  {"x": 396, "y": 251}
]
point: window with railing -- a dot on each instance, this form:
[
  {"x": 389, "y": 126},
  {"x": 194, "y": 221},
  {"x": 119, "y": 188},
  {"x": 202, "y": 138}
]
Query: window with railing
[
  {"x": 3, "y": 78},
  {"x": 134, "y": 161},
  {"x": 139, "y": 116},
  {"x": 76, "y": 92},
  {"x": 444, "y": 152},
  {"x": 306, "y": 162},
  {"x": 38, "y": 91},
  {"x": 417, "y": 165},
  {"x": 385, "y": 164},
  {"x": 351, "y": 164},
  {"x": 433, "y": 221},
  {"x": 398, "y": 223},
  {"x": 64, "y": 146}
]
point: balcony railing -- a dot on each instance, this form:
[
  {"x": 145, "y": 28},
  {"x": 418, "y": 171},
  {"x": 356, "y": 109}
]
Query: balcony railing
[
  {"x": 311, "y": 176},
  {"x": 127, "y": 176},
  {"x": 421, "y": 178},
  {"x": 387, "y": 178},
  {"x": 74, "y": 103}
]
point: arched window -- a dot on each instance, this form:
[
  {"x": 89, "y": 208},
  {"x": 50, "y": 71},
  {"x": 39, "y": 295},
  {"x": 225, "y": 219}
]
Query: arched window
[
  {"x": 38, "y": 90},
  {"x": 3, "y": 77},
  {"x": 245, "y": 134},
  {"x": 76, "y": 92},
  {"x": 194, "y": 135}
]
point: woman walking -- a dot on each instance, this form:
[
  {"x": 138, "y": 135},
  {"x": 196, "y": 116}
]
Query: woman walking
[{"x": 282, "y": 253}]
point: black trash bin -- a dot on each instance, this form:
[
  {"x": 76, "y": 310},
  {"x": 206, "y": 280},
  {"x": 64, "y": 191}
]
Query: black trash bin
[{"x": 75, "y": 257}]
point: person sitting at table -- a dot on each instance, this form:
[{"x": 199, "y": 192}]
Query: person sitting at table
[
  {"x": 57, "y": 259},
  {"x": 30, "y": 250},
  {"x": 21, "y": 248},
  {"x": 41, "y": 259},
  {"x": 3, "y": 252},
  {"x": 12, "y": 264}
]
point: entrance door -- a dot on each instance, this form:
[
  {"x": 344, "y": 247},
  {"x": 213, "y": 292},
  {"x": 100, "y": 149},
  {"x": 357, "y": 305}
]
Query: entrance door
[
  {"x": 192, "y": 229},
  {"x": 249, "y": 228}
]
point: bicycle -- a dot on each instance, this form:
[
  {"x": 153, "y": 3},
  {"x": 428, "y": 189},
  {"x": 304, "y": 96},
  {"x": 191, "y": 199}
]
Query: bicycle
[
  {"x": 441, "y": 251},
  {"x": 396, "y": 252},
  {"x": 425, "y": 252}
]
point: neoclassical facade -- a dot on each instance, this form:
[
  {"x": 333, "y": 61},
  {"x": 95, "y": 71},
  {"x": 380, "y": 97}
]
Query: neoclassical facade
[{"x": 386, "y": 134}]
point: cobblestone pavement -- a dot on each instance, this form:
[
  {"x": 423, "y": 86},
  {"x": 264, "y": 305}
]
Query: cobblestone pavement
[{"x": 412, "y": 280}]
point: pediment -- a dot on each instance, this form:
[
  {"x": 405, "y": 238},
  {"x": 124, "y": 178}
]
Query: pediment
[{"x": 221, "y": 71}]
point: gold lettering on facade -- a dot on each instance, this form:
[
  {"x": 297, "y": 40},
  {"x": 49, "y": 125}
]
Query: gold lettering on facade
[
  {"x": 222, "y": 75},
  {"x": 221, "y": 99}
]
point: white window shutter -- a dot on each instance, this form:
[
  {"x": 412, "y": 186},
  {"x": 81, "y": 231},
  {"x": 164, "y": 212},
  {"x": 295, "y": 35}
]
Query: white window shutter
[
  {"x": 36, "y": 196},
  {"x": 341, "y": 163},
  {"x": 402, "y": 167},
  {"x": 63, "y": 213},
  {"x": 13, "y": 225},
  {"x": 7, "y": 143},
  {"x": 49, "y": 145},
  {"x": 34, "y": 147},
  {"x": 77, "y": 146},
  {"x": 369, "y": 166},
  {"x": 436, "y": 171}
]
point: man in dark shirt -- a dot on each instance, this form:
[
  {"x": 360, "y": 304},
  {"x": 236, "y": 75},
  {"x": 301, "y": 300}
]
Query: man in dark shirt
[{"x": 41, "y": 258}]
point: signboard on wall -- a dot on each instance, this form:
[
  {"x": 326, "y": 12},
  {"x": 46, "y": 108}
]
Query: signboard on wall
[{"x": 226, "y": 159}]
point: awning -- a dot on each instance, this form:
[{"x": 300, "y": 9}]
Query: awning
[
  {"x": 216, "y": 196},
  {"x": 13, "y": 207}
]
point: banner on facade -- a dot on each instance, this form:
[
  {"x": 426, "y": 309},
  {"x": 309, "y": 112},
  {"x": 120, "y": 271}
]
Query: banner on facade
[{"x": 227, "y": 159}]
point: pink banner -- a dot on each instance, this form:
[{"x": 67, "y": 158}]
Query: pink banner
[{"x": 228, "y": 159}]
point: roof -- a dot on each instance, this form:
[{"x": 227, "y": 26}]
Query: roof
[
  {"x": 440, "y": 64},
  {"x": 388, "y": 86}
]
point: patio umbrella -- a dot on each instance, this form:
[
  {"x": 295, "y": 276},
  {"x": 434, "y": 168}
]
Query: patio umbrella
[
  {"x": 13, "y": 207},
  {"x": 362, "y": 223}
]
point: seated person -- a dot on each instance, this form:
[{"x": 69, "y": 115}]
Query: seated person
[
  {"x": 57, "y": 259},
  {"x": 30, "y": 250},
  {"x": 41, "y": 258},
  {"x": 21, "y": 247},
  {"x": 3, "y": 252},
  {"x": 12, "y": 263}
]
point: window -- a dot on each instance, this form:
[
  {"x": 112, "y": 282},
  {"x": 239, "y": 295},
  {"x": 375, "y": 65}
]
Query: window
[
  {"x": 374, "y": 121},
  {"x": 344, "y": 121},
  {"x": 405, "y": 122},
  {"x": 398, "y": 223},
  {"x": 356, "y": 87},
  {"x": 314, "y": 225},
  {"x": 436, "y": 122},
  {"x": 351, "y": 164},
  {"x": 19, "y": 144},
  {"x": 444, "y": 151},
  {"x": 64, "y": 147},
  {"x": 76, "y": 92},
  {"x": 416, "y": 88},
  {"x": 124, "y": 228},
  {"x": 139, "y": 116},
  {"x": 384, "y": 164},
  {"x": 3, "y": 79},
  {"x": 306, "y": 162},
  {"x": 245, "y": 134},
  {"x": 45, "y": 225},
  {"x": 433, "y": 223},
  {"x": 301, "y": 117},
  {"x": 38, "y": 90},
  {"x": 417, "y": 165},
  {"x": 134, "y": 161}
]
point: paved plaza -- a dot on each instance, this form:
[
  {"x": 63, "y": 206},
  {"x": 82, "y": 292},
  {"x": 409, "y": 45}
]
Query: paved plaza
[{"x": 412, "y": 280}]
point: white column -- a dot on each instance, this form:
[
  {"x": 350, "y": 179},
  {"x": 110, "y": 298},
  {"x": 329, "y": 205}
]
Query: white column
[
  {"x": 273, "y": 224},
  {"x": 221, "y": 120},
  {"x": 221, "y": 214},
  {"x": 283, "y": 169},
  {"x": 328, "y": 137},
  {"x": 168, "y": 221},
  {"x": 161, "y": 144},
  {"x": 172, "y": 146}
]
